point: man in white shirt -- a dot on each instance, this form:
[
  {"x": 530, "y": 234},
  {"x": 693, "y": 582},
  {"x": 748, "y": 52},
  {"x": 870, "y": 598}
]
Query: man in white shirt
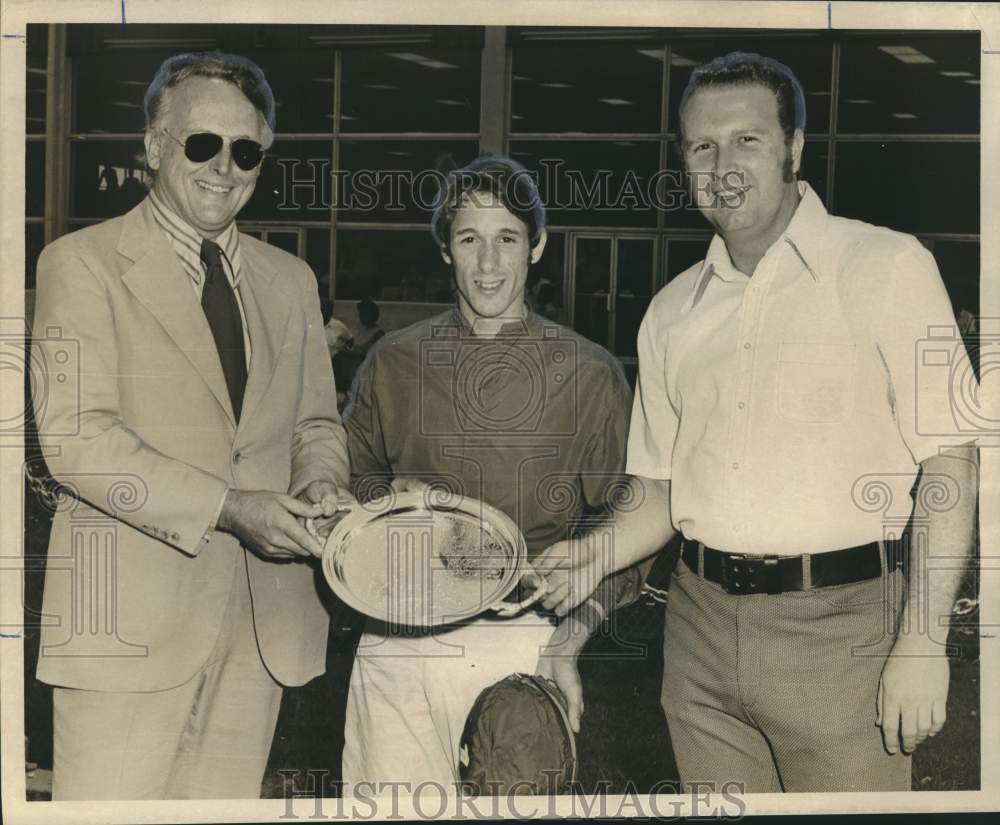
[{"x": 781, "y": 419}]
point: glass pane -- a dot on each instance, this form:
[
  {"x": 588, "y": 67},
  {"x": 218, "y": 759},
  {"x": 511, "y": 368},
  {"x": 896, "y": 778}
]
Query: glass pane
[
  {"x": 391, "y": 265},
  {"x": 546, "y": 281},
  {"x": 594, "y": 183},
  {"x": 254, "y": 233},
  {"x": 959, "y": 265},
  {"x": 303, "y": 86},
  {"x": 815, "y": 156},
  {"x": 810, "y": 59},
  {"x": 597, "y": 87},
  {"x": 122, "y": 79},
  {"x": 634, "y": 291},
  {"x": 396, "y": 181},
  {"x": 910, "y": 84},
  {"x": 684, "y": 254},
  {"x": 635, "y": 266},
  {"x": 593, "y": 284},
  {"x": 910, "y": 187},
  {"x": 108, "y": 178},
  {"x": 34, "y": 178},
  {"x": 295, "y": 182},
  {"x": 35, "y": 62},
  {"x": 411, "y": 89},
  {"x": 318, "y": 257},
  {"x": 34, "y": 241},
  {"x": 629, "y": 311},
  {"x": 289, "y": 241}
]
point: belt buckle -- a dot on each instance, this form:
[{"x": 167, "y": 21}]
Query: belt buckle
[{"x": 743, "y": 575}]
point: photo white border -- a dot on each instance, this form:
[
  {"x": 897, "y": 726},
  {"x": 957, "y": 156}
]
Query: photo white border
[{"x": 773, "y": 15}]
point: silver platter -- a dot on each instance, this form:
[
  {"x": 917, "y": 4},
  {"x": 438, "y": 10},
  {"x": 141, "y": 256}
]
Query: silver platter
[{"x": 424, "y": 558}]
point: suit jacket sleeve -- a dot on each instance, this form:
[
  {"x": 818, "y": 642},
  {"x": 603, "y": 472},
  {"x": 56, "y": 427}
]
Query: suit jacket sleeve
[
  {"x": 319, "y": 444},
  {"x": 86, "y": 443}
]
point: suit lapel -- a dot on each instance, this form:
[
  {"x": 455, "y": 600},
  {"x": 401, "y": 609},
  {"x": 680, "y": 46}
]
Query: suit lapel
[
  {"x": 160, "y": 284},
  {"x": 267, "y": 306}
]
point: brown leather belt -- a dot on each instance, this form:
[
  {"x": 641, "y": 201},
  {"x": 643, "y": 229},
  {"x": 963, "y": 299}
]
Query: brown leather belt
[{"x": 743, "y": 574}]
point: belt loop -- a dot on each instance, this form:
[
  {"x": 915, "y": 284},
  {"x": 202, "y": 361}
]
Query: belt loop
[
  {"x": 701, "y": 559},
  {"x": 807, "y": 583}
]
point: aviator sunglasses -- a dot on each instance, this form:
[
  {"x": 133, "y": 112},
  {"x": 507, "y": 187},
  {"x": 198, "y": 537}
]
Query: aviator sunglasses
[{"x": 202, "y": 146}]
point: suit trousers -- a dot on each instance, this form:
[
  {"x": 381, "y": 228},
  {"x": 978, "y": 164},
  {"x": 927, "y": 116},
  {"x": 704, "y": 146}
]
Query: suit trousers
[
  {"x": 778, "y": 691},
  {"x": 208, "y": 738}
]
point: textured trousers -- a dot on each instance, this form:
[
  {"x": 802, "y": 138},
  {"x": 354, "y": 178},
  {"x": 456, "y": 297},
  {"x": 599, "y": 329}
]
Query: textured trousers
[
  {"x": 410, "y": 695},
  {"x": 208, "y": 738},
  {"x": 778, "y": 692}
]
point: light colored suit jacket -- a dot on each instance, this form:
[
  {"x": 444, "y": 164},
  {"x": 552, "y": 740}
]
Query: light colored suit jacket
[{"x": 136, "y": 422}]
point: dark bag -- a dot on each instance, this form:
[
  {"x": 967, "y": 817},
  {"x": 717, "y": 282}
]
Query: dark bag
[{"x": 517, "y": 740}]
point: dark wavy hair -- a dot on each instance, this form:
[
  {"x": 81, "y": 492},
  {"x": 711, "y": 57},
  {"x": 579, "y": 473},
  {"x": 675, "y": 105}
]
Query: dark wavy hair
[
  {"x": 242, "y": 72},
  {"x": 745, "y": 69},
  {"x": 507, "y": 180}
]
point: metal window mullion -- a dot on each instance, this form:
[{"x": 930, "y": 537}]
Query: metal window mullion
[
  {"x": 492, "y": 99},
  {"x": 57, "y": 103},
  {"x": 831, "y": 146},
  {"x": 338, "y": 102}
]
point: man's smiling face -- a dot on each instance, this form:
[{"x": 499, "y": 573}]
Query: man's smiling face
[
  {"x": 491, "y": 252},
  {"x": 740, "y": 160},
  {"x": 207, "y": 195}
]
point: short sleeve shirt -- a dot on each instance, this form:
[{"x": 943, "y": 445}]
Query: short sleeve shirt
[{"x": 790, "y": 410}]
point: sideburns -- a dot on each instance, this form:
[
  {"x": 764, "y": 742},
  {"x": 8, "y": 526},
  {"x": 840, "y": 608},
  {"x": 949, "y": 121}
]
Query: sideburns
[{"x": 787, "y": 175}]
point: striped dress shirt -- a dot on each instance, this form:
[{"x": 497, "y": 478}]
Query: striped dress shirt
[{"x": 187, "y": 244}]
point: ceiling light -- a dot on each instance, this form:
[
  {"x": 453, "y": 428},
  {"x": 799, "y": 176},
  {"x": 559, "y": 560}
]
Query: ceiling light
[
  {"x": 557, "y": 85},
  {"x": 324, "y": 79},
  {"x": 399, "y": 154},
  {"x": 444, "y": 101},
  {"x": 615, "y": 101},
  {"x": 381, "y": 86},
  {"x": 956, "y": 74},
  {"x": 521, "y": 77},
  {"x": 858, "y": 100},
  {"x": 904, "y": 116},
  {"x": 420, "y": 60},
  {"x": 656, "y": 54},
  {"x": 820, "y": 93},
  {"x": 972, "y": 82},
  {"x": 144, "y": 83},
  {"x": 125, "y": 105},
  {"x": 624, "y": 143},
  {"x": 517, "y": 117},
  {"x": 907, "y": 54},
  {"x": 680, "y": 61}
]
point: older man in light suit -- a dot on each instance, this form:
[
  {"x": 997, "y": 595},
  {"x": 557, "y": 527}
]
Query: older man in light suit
[{"x": 206, "y": 390}]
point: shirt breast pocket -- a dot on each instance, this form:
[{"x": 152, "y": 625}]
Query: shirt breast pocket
[{"x": 815, "y": 381}]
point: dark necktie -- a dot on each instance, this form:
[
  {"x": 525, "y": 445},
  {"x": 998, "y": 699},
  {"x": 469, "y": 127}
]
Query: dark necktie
[{"x": 223, "y": 314}]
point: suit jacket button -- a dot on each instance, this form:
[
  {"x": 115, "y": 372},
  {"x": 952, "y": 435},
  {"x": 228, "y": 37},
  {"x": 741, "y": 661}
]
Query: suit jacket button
[{"x": 237, "y": 457}]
